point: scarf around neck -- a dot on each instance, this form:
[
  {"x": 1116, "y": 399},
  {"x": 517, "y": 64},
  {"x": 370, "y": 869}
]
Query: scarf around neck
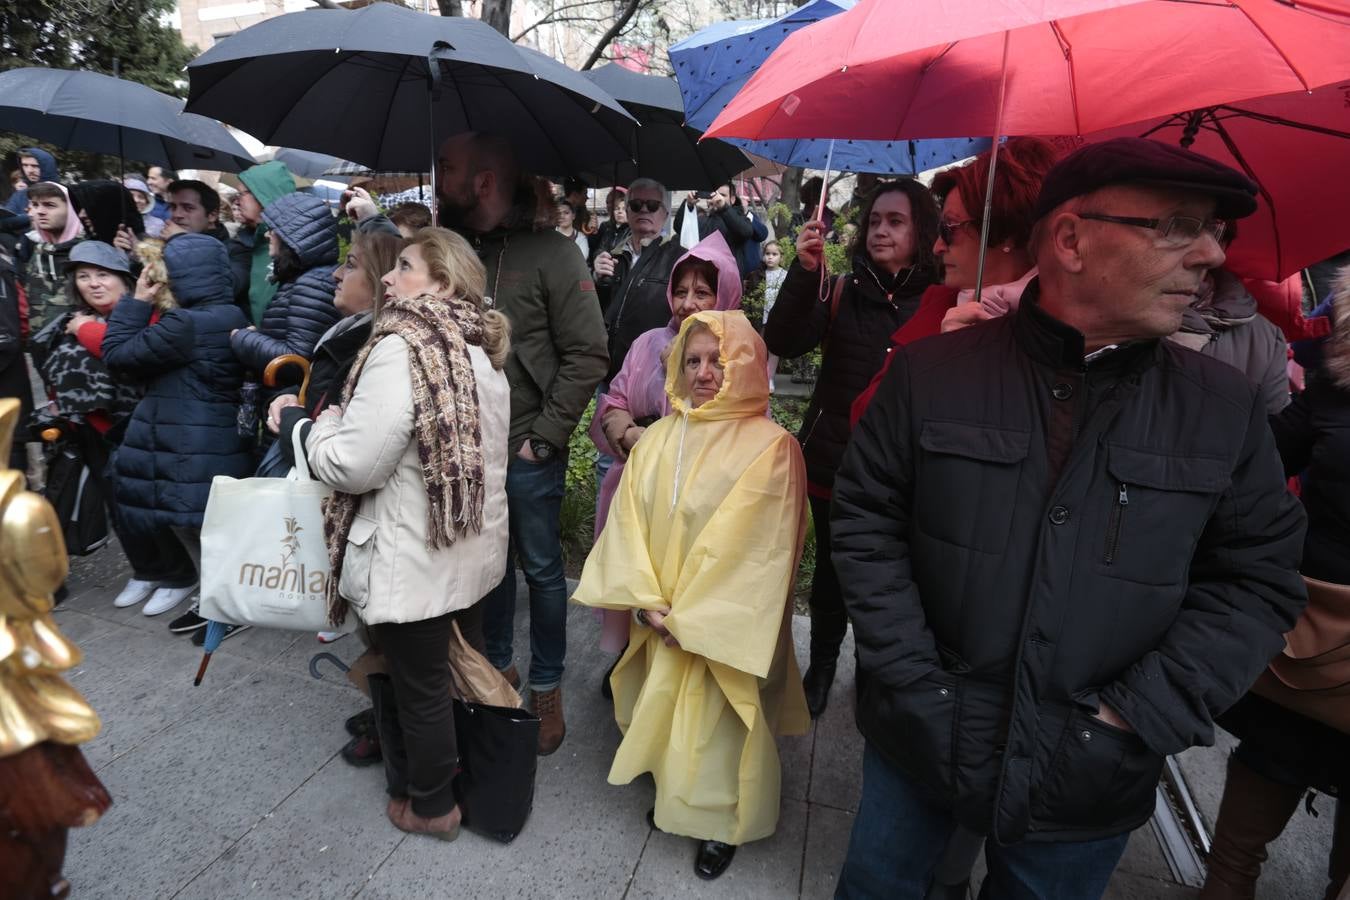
[{"x": 438, "y": 332}]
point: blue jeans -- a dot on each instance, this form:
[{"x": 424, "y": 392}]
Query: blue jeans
[
  {"x": 534, "y": 494},
  {"x": 899, "y": 835}
]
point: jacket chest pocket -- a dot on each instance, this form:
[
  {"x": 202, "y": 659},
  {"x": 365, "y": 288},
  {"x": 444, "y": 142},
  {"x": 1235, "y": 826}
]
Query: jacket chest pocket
[
  {"x": 967, "y": 481},
  {"x": 358, "y": 561},
  {"x": 1156, "y": 510}
]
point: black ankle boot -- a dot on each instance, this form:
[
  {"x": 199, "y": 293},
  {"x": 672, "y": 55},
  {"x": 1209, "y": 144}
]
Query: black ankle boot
[{"x": 816, "y": 684}]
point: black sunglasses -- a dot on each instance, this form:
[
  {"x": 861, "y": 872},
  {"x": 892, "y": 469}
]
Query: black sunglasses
[
  {"x": 637, "y": 206},
  {"x": 947, "y": 230}
]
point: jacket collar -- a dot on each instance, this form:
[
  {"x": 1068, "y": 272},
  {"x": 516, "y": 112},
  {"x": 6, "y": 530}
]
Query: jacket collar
[{"x": 1051, "y": 342}]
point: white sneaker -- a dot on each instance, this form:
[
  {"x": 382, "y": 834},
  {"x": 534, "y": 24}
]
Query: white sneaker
[
  {"x": 166, "y": 598},
  {"x": 327, "y": 637},
  {"x": 136, "y": 591}
]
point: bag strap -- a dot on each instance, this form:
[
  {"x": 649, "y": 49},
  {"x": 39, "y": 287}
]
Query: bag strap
[
  {"x": 301, "y": 470},
  {"x": 836, "y": 294}
]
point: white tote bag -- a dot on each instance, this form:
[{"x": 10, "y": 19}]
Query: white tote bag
[{"x": 264, "y": 557}]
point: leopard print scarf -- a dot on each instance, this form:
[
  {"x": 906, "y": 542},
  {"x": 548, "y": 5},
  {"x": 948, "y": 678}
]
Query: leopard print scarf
[{"x": 438, "y": 331}]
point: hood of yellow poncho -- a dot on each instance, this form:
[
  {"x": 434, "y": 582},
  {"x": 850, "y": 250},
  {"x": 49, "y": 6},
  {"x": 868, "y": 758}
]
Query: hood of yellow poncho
[{"x": 745, "y": 378}]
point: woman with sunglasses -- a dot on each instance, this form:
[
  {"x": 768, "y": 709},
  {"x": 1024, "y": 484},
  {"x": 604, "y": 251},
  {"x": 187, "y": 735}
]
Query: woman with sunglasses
[
  {"x": 1008, "y": 266},
  {"x": 850, "y": 317}
]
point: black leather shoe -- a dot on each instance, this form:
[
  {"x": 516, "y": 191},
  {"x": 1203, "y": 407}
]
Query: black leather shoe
[
  {"x": 363, "y": 750},
  {"x": 361, "y": 723},
  {"x": 712, "y": 859},
  {"x": 816, "y": 684},
  {"x": 605, "y": 690}
]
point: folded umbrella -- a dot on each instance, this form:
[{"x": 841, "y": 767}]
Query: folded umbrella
[
  {"x": 667, "y": 149},
  {"x": 1296, "y": 147},
  {"x": 715, "y": 63},
  {"x": 101, "y": 114},
  {"x": 384, "y": 85}
]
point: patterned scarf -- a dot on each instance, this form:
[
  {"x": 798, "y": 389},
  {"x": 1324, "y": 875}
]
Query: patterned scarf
[{"x": 438, "y": 331}]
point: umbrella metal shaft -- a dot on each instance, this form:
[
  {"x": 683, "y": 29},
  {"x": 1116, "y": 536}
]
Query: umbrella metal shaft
[{"x": 993, "y": 167}]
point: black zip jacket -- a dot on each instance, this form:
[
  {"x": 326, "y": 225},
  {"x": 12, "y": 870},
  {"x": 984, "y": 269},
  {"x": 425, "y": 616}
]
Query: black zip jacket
[{"x": 1022, "y": 536}]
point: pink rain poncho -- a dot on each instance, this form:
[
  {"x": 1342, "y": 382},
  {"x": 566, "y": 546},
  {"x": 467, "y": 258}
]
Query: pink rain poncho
[{"x": 640, "y": 388}]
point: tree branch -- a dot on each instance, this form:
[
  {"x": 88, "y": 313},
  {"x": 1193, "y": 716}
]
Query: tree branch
[
  {"x": 552, "y": 17},
  {"x": 629, "y": 10}
]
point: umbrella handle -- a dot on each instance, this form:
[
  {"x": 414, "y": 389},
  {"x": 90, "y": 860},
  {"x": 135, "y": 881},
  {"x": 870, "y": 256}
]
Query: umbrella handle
[
  {"x": 201, "y": 670},
  {"x": 325, "y": 656},
  {"x": 281, "y": 362}
]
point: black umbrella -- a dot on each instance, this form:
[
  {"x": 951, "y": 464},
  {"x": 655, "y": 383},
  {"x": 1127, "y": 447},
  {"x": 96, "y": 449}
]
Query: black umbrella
[
  {"x": 383, "y": 86},
  {"x": 101, "y": 114},
  {"x": 668, "y": 150}
]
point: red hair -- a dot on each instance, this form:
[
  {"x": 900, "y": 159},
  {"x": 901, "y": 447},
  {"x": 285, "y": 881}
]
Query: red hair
[{"x": 1022, "y": 164}]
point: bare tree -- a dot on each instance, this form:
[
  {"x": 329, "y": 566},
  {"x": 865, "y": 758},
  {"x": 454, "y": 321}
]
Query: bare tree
[
  {"x": 450, "y": 7},
  {"x": 630, "y": 7},
  {"x": 497, "y": 13}
]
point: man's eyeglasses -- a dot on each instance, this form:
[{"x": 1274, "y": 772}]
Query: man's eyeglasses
[
  {"x": 947, "y": 230},
  {"x": 1176, "y": 230},
  {"x": 637, "y": 205}
]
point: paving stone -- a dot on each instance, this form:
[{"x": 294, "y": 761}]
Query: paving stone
[
  {"x": 768, "y": 868},
  {"x": 836, "y": 766},
  {"x": 239, "y": 755},
  {"x": 321, "y": 842},
  {"x": 143, "y": 847},
  {"x": 827, "y": 835}
]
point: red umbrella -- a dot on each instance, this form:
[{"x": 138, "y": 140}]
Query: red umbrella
[
  {"x": 927, "y": 69},
  {"x": 1296, "y": 146},
  {"x": 893, "y": 71}
]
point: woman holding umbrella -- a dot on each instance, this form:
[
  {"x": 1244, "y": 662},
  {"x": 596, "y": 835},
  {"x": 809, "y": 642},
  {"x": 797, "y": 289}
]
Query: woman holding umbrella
[
  {"x": 417, "y": 527},
  {"x": 893, "y": 265}
]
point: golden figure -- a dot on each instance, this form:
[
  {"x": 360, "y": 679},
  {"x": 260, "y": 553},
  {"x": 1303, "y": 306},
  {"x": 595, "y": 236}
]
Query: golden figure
[{"x": 45, "y": 784}]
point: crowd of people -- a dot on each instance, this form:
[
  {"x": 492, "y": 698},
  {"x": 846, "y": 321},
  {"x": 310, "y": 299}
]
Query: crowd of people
[{"x": 1067, "y": 487}]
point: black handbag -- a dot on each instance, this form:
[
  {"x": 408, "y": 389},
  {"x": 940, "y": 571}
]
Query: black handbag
[{"x": 498, "y": 756}]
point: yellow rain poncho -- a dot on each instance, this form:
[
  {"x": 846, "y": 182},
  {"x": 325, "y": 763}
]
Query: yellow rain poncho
[{"x": 708, "y": 520}]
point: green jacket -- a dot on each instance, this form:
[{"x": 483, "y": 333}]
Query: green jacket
[
  {"x": 558, "y": 343},
  {"x": 266, "y": 182}
]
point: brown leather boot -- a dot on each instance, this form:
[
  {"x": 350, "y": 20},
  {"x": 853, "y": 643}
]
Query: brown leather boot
[
  {"x": 1253, "y": 812},
  {"x": 552, "y": 728},
  {"x": 512, "y": 676},
  {"x": 445, "y": 827}
]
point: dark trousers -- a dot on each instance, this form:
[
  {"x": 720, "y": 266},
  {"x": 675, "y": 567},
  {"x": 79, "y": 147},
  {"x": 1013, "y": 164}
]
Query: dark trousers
[
  {"x": 899, "y": 835},
  {"x": 828, "y": 619},
  {"x": 415, "y": 654}
]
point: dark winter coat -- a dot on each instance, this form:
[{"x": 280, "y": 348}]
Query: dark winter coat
[
  {"x": 1023, "y": 536},
  {"x": 185, "y": 431},
  {"x": 333, "y": 359},
  {"x": 1313, "y": 434},
  {"x": 241, "y": 265},
  {"x": 14, "y": 381},
  {"x": 302, "y": 309},
  {"x": 635, "y": 299},
  {"x": 18, "y": 201},
  {"x": 855, "y": 346}
]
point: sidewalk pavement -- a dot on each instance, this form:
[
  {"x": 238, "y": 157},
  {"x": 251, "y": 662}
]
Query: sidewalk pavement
[{"x": 234, "y": 789}]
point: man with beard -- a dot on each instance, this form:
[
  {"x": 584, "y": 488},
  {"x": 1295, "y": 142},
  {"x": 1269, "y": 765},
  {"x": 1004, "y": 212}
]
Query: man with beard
[{"x": 538, "y": 280}]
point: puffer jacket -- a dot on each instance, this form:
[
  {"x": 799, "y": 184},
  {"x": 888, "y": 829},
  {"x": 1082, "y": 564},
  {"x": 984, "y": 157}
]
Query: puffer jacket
[
  {"x": 855, "y": 339},
  {"x": 303, "y": 309},
  {"x": 1024, "y": 535},
  {"x": 184, "y": 432}
]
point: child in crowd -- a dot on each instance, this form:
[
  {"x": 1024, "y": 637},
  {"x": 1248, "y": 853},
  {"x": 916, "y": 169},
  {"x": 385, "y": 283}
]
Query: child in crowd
[{"x": 774, "y": 273}]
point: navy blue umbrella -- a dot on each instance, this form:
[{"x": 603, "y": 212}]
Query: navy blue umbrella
[
  {"x": 713, "y": 64},
  {"x": 101, "y": 114}
]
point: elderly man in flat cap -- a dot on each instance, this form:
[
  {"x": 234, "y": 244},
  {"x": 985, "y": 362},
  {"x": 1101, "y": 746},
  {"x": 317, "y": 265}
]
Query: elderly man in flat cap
[{"x": 1065, "y": 545}]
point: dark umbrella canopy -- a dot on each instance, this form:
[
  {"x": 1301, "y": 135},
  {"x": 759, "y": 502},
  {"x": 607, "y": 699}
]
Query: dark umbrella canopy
[
  {"x": 668, "y": 150},
  {"x": 384, "y": 84},
  {"x": 101, "y": 114}
]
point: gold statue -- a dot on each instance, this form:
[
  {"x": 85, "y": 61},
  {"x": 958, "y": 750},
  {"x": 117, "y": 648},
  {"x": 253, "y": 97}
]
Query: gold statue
[{"x": 45, "y": 784}]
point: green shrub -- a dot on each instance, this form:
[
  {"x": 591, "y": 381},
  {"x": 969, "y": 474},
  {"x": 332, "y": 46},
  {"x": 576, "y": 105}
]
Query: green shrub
[{"x": 578, "y": 506}]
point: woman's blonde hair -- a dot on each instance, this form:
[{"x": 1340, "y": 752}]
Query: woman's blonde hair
[{"x": 451, "y": 262}]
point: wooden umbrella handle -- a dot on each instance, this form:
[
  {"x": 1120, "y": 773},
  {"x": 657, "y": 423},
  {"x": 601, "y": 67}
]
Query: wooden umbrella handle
[{"x": 281, "y": 362}]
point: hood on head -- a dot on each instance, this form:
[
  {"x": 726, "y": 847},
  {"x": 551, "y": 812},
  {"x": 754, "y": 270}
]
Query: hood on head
[
  {"x": 107, "y": 204},
  {"x": 199, "y": 270},
  {"x": 268, "y": 181},
  {"x": 73, "y": 227},
  {"x": 46, "y": 162},
  {"x": 745, "y": 381},
  {"x": 713, "y": 249},
  {"x": 304, "y": 224}
]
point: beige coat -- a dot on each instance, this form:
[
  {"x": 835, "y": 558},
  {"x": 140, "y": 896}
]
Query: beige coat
[{"x": 389, "y": 574}]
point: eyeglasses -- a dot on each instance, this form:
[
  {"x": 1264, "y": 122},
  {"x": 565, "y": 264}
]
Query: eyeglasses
[
  {"x": 947, "y": 230},
  {"x": 637, "y": 205},
  {"x": 1176, "y": 230}
]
